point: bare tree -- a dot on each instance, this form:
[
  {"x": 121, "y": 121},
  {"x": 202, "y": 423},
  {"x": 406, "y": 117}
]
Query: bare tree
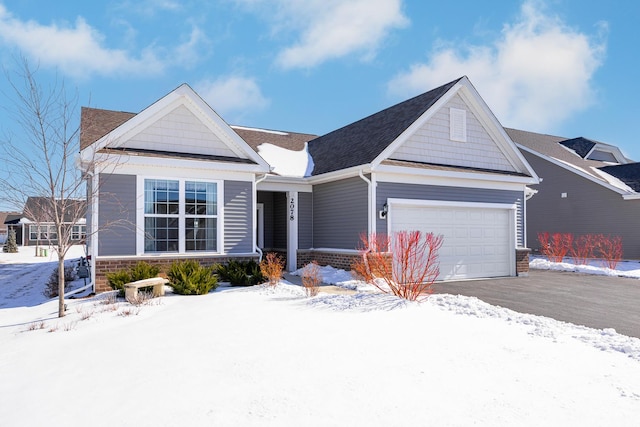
[{"x": 40, "y": 160}]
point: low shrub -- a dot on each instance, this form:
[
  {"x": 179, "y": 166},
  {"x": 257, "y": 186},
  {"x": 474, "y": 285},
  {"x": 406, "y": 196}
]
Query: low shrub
[
  {"x": 311, "y": 279},
  {"x": 188, "y": 277},
  {"x": 555, "y": 246},
  {"x": 142, "y": 270},
  {"x": 607, "y": 248},
  {"x": 413, "y": 269},
  {"x": 271, "y": 267},
  {"x": 610, "y": 250},
  {"x": 240, "y": 273},
  {"x": 51, "y": 288}
]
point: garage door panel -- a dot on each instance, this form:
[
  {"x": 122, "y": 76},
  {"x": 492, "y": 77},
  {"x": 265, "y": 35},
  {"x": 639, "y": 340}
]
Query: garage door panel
[{"x": 477, "y": 241}]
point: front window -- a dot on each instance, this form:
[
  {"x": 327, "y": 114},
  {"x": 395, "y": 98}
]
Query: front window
[
  {"x": 78, "y": 232},
  {"x": 180, "y": 216},
  {"x": 201, "y": 223},
  {"x": 42, "y": 232}
]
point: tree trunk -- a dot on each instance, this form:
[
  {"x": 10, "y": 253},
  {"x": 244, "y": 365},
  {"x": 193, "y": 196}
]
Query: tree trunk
[{"x": 60, "y": 286}]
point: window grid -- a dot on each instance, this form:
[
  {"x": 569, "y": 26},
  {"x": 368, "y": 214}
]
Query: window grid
[
  {"x": 43, "y": 232},
  {"x": 201, "y": 229},
  {"x": 176, "y": 211}
]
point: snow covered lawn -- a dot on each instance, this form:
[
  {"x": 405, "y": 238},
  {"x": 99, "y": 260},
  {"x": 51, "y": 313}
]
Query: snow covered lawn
[{"x": 260, "y": 356}]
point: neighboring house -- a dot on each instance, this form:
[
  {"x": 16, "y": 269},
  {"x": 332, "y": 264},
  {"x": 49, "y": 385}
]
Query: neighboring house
[
  {"x": 587, "y": 187},
  {"x": 4, "y": 227},
  {"x": 35, "y": 225},
  {"x": 184, "y": 184}
]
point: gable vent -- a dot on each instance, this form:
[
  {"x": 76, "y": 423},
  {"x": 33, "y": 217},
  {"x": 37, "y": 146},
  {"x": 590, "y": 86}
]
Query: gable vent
[{"x": 457, "y": 125}]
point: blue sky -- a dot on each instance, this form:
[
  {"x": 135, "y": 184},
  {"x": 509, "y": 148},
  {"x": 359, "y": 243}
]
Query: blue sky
[{"x": 564, "y": 67}]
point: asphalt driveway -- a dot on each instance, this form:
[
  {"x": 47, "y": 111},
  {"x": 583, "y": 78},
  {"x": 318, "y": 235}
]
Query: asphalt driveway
[{"x": 594, "y": 301}]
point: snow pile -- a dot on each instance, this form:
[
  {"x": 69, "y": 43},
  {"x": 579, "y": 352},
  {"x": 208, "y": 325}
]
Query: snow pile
[
  {"x": 287, "y": 162},
  {"x": 338, "y": 277},
  {"x": 624, "y": 269},
  {"x": 271, "y": 356}
]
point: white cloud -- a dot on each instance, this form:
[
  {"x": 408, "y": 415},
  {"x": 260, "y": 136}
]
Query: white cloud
[
  {"x": 80, "y": 50},
  {"x": 232, "y": 96},
  {"x": 191, "y": 51},
  {"x": 535, "y": 75},
  {"x": 77, "y": 50},
  {"x": 330, "y": 29}
]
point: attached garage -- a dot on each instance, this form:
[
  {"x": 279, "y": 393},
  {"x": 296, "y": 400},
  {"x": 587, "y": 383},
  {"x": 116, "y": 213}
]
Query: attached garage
[{"x": 479, "y": 238}]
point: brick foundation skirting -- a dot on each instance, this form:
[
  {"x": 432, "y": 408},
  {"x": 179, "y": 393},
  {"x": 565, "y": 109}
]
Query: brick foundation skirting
[
  {"x": 111, "y": 265},
  {"x": 334, "y": 259},
  {"x": 522, "y": 261}
]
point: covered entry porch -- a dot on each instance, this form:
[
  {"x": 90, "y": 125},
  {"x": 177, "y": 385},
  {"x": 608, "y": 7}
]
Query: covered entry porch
[{"x": 284, "y": 222}]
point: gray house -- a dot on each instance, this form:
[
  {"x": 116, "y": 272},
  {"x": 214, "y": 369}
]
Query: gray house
[
  {"x": 175, "y": 181},
  {"x": 35, "y": 226},
  {"x": 588, "y": 187}
]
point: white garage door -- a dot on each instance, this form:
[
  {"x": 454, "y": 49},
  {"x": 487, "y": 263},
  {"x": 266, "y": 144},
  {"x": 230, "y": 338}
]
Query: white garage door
[{"x": 478, "y": 241}]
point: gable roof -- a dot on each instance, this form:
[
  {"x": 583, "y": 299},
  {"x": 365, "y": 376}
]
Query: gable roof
[
  {"x": 118, "y": 127},
  {"x": 554, "y": 149},
  {"x": 361, "y": 142},
  {"x": 549, "y": 146},
  {"x": 40, "y": 209},
  {"x": 6, "y": 217}
]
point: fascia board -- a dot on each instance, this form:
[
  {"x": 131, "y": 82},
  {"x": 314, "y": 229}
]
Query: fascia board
[
  {"x": 279, "y": 185},
  {"x": 337, "y": 175},
  {"x": 474, "y": 176},
  {"x": 576, "y": 171},
  {"x": 114, "y": 160}
]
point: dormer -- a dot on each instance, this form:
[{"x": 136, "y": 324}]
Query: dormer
[{"x": 592, "y": 150}]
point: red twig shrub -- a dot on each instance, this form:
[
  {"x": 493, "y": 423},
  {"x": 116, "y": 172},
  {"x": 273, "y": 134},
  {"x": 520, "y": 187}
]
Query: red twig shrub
[
  {"x": 555, "y": 246},
  {"x": 311, "y": 279},
  {"x": 405, "y": 265},
  {"x": 271, "y": 266},
  {"x": 583, "y": 248},
  {"x": 610, "y": 250}
]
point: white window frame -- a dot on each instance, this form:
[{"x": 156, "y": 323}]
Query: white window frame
[
  {"x": 81, "y": 232},
  {"x": 48, "y": 229},
  {"x": 458, "y": 124},
  {"x": 140, "y": 216}
]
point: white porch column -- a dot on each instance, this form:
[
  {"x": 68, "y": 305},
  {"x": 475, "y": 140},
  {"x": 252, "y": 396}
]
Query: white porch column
[{"x": 292, "y": 230}]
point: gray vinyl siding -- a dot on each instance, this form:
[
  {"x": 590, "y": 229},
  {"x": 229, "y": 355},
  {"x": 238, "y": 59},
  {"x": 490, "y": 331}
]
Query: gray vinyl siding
[
  {"x": 305, "y": 220},
  {"x": 117, "y": 215},
  {"x": 238, "y": 217},
  {"x": 339, "y": 213},
  {"x": 386, "y": 190},
  {"x": 279, "y": 223},
  {"x": 589, "y": 208}
]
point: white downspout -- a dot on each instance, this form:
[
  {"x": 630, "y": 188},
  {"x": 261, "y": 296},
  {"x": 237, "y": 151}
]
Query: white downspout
[{"x": 371, "y": 202}]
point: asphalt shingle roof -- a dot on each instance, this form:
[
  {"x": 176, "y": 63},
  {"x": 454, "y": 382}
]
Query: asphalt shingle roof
[
  {"x": 582, "y": 146},
  {"x": 549, "y": 145},
  {"x": 96, "y": 123},
  {"x": 359, "y": 143},
  {"x": 628, "y": 173}
]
